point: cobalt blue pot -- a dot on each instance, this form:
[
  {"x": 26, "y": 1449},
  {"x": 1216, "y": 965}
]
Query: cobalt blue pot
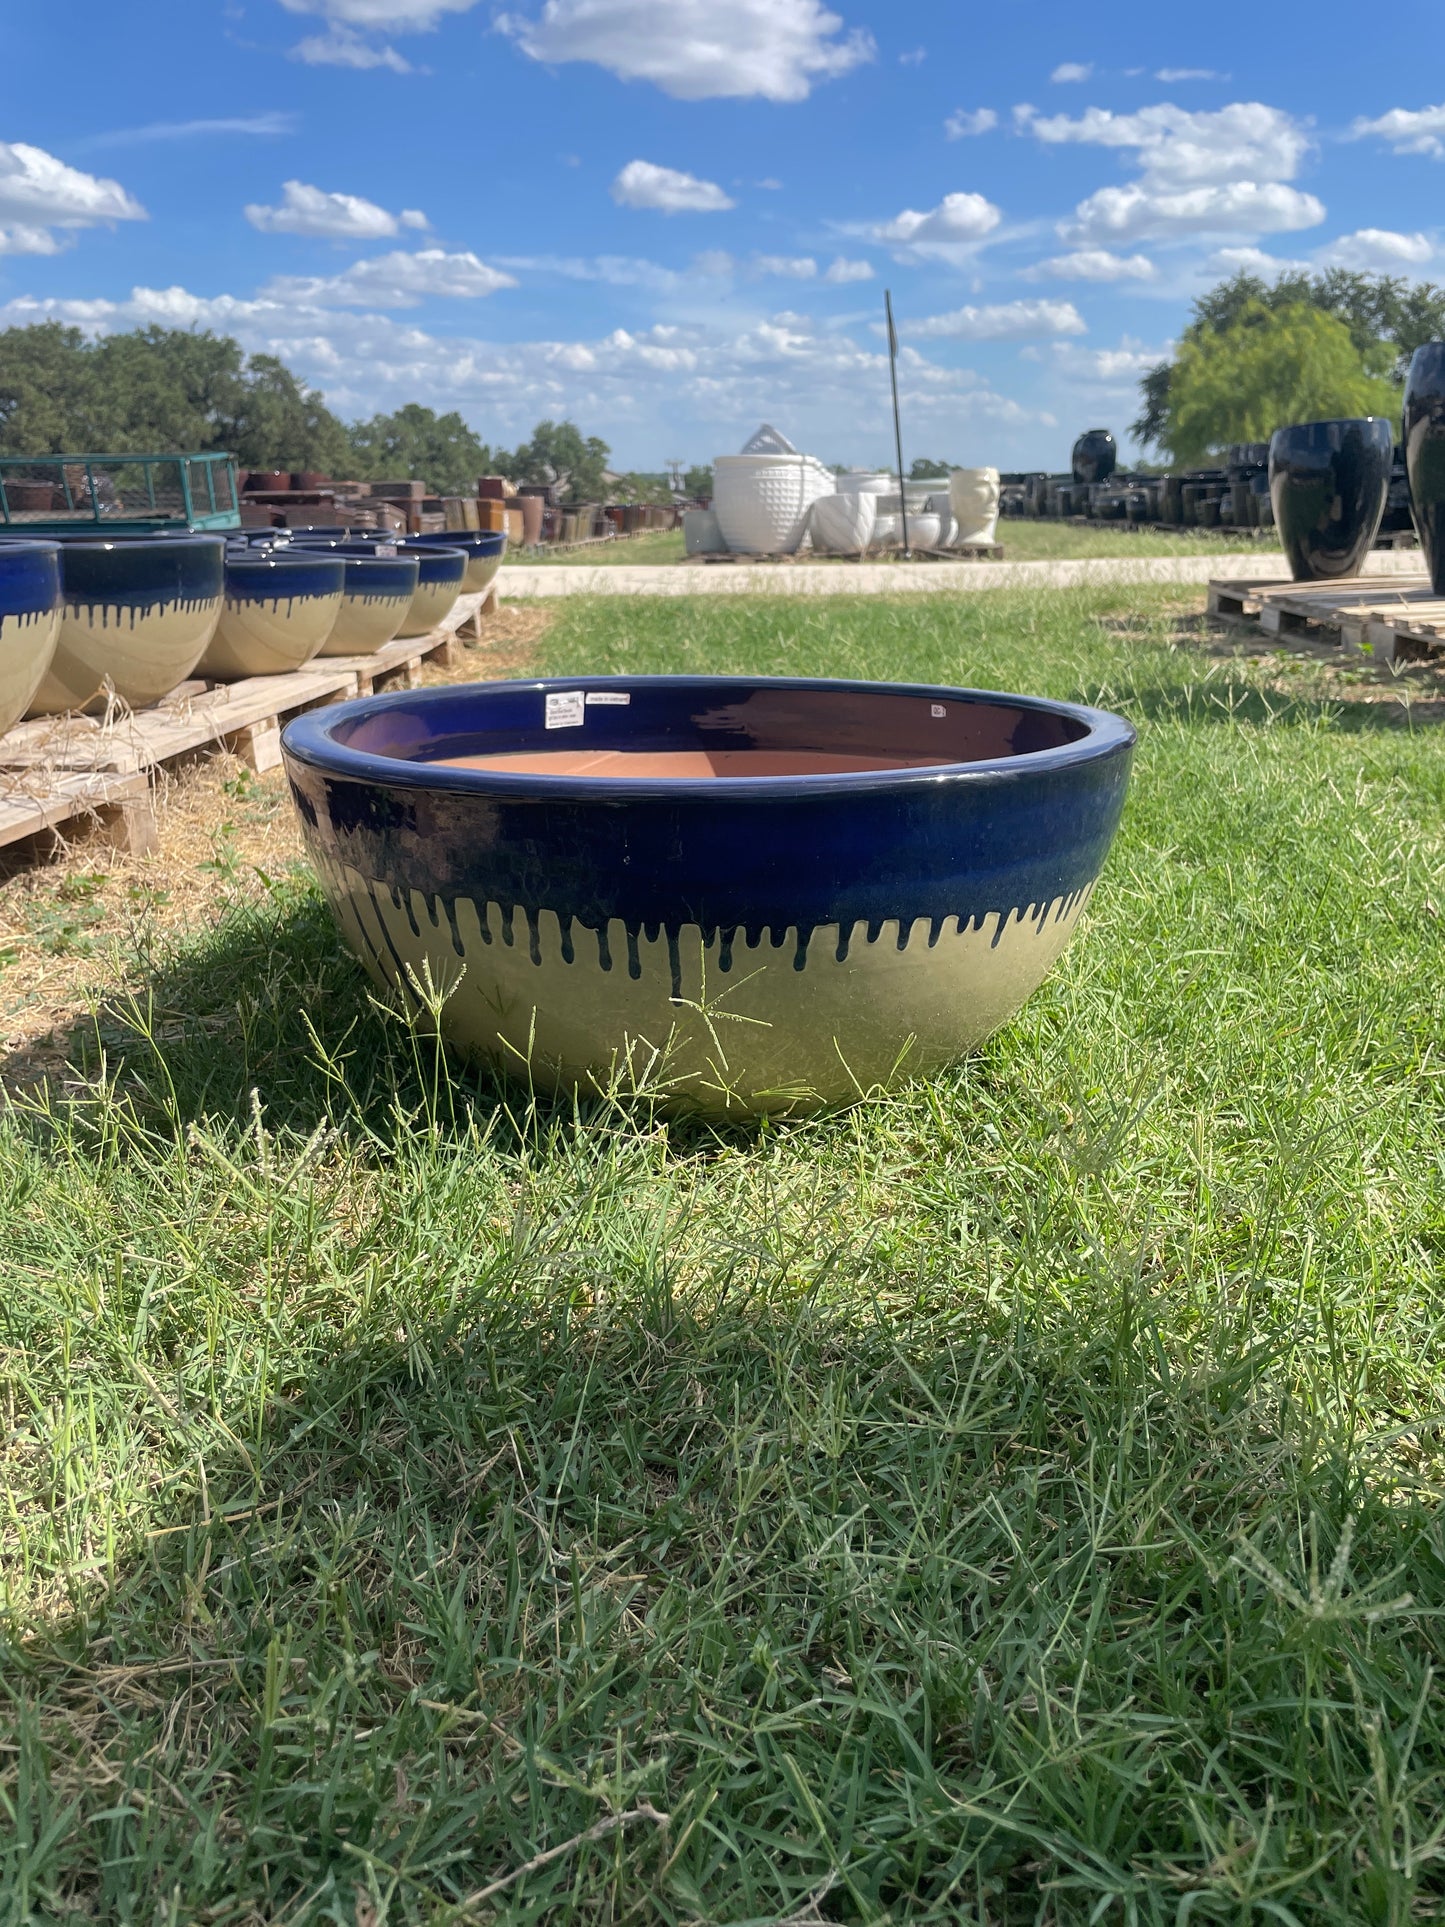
[
  {"x": 740, "y": 894},
  {"x": 1328, "y": 482},
  {"x": 484, "y": 550},
  {"x": 1424, "y": 439},
  {"x": 280, "y": 610},
  {"x": 29, "y": 622},
  {"x": 439, "y": 577},
  {"x": 137, "y": 616},
  {"x": 1095, "y": 456},
  {"x": 376, "y": 596}
]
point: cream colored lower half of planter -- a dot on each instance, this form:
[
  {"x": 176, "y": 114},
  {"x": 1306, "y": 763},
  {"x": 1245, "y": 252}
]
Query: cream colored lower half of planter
[
  {"x": 481, "y": 572},
  {"x": 762, "y": 1035},
  {"x": 27, "y": 644},
  {"x": 268, "y": 638},
  {"x": 365, "y": 624},
  {"x": 141, "y": 655},
  {"x": 429, "y": 606}
]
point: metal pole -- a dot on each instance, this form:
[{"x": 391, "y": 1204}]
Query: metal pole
[{"x": 897, "y": 430}]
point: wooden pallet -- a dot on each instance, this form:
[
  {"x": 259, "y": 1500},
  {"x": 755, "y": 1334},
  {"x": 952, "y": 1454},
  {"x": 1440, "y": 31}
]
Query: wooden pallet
[
  {"x": 76, "y": 769},
  {"x": 1393, "y": 619}
]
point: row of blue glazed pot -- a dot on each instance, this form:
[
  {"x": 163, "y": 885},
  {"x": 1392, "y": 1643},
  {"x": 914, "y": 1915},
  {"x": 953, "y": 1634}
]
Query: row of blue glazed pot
[
  {"x": 87, "y": 619},
  {"x": 1329, "y": 481}
]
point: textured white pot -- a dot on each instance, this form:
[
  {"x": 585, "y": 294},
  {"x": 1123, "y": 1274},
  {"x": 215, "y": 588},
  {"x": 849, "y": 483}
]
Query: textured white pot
[
  {"x": 762, "y": 501},
  {"x": 700, "y": 532},
  {"x": 973, "y": 493},
  {"x": 938, "y": 504},
  {"x": 842, "y": 523}
]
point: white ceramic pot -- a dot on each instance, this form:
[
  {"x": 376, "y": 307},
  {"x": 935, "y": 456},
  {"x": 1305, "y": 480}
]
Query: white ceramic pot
[
  {"x": 886, "y": 533},
  {"x": 864, "y": 481},
  {"x": 938, "y": 504},
  {"x": 924, "y": 530},
  {"x": 974, "y": 494},
  {"x": 700, "y": 532},
  {"x": 762, "y": 501},
  {"x": 842, "y": 523}
]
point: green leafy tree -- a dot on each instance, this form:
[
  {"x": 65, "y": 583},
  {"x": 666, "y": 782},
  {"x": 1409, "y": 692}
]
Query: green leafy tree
[
  {"x": 698, "y": 481},
  {"x": 46, "y": 386},
  {"x": 559, "y": 455},
  {"x": 1268, "y": 367},
  {"x": 281, "y": 424},
  {"x": 417, "y": 443},
  {"x": 924, "y": 470}
]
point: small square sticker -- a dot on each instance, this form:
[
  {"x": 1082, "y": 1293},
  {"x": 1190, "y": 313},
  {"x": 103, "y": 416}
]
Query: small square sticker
[
  {"x": 384, "y": 548},
  {"x": 937, "y": 709},
  {"x": 564, "y": 708}
]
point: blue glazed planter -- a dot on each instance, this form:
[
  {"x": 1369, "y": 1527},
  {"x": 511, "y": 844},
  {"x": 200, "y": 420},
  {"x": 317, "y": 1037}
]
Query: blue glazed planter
[
  {"x": 136, "y": 620},
  {"x": 742, "y": 894},
  {"x": 29, "y": 622},
  {"x": 484, "y": 550},
  {"x": 1329, "y": 482},
  {"x": 377, "y": 593},
  {"x": 1095, "y": 456},
  {"x": 439, "y": 577},
  {"x": 279, "y": 611}
]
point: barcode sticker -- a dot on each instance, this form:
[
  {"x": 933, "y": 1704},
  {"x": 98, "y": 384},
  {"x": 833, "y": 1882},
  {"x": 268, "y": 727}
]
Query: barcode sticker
[
  {"x": 384, "y": 548},
  {"x": 564, "y": 709},
  {"x": 937, "y": 709},
  {"x": 608, "y": 698}
]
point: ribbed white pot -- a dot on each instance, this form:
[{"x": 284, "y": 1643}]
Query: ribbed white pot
[
  {"x": 842, "y": 524},
  {"x": 973, "y": 492},
  {"x": 701, "y": 534},
  {"x": 938, "y": 504},
  {"x": 762, "y": 501}
]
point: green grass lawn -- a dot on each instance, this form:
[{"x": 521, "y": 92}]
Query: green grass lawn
[
  {"x": 1016, "y": 1501},
  {"x": 1023, "y": 541}
]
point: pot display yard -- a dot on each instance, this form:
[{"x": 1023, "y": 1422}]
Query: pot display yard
[{"x": 741, "y": 894}]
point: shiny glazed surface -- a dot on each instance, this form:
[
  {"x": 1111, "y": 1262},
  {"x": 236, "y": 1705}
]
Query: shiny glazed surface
[
  {"x": 1328, "y": 482},
  {"x": 1423, "y": 434}
]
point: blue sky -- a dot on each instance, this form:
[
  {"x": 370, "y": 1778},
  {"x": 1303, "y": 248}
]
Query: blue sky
[{"x": 671, "y": 219}]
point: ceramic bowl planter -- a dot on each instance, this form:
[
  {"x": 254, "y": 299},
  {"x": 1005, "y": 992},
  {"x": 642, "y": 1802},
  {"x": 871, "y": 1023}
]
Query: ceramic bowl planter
[
  {"x": 29, "y": 622},
  {"x": 377, "y": 593},
  {"x": 1095, "y": 456},
  {"x": 842, "y": 524},
  {"x": 925, "y": 531},
  {"x": 974, "y": 496},
  {"x": 1424, "y": 439},
  {"x": 439, "y": 576},
  {"x": 762, "y": 501},
  {"x": 136, "y": 620},
  {"x": 740, "y": 894},
  {"x": 280, "y": 609},
  {"x": 484, "y": 552},
  {"x": 1328, "y": 482}
]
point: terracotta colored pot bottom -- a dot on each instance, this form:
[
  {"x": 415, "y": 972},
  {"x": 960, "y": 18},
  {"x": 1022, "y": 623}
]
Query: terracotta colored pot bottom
[{"x": 682, "y": 764}]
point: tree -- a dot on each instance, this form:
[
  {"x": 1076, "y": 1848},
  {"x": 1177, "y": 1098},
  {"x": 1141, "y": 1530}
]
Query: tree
[
  {"x": 280, "y": 424},
  {"x": 416, "y": 442},
  {"x": 698, "y": 482},
  {"x": 1266, "y": 368},
  {"x": 558, "y": 455},
  {"x": 45, "y": 388},
  {"x": 1375, "y": 309},
  {"x": 924, "y": 470}
]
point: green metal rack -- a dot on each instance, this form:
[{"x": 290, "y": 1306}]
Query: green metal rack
[{"x": 53, "y": 494}]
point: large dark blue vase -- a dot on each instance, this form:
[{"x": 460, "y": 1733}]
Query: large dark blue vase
[
  {"x": 740, "y": 894},
  {"x": 1096, "y": 456},
  {"x": 1424, "y": 439},
  {"x": 1329, "y": 482}
]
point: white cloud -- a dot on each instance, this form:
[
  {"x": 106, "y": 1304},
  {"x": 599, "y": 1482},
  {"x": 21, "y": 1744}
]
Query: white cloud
[
  {"x": 393, "y": 281},
  {"x": 1374, "y": 248},
  {"x": 267, "y": 124},
  {"x": 37, "y": 190},
  {"x": 969, "y": 121},
  {"x": 841, "y": 271},
  {"x": 768, "y": 49},
  {"x": 1409, "y": 130},
  {"x": 1008, "y": 321},
  {"x": 914, "y": 58},
  {"x": 1169, "y": 75},
  {"x": 1140, "y": 213},
  {"x": 1071, "y": 70},
  {"x": 1250, "y": 261},
  {"x": 28, "y": 240},
  {"x": 340, "y": 47},
  {"x": 1093, "y": 264},
  {"x": 391, "y": 16},
  {"x": 801, "y": 267},
  {"x": 1245, "y": 141},
  {"x": 344, "y": 217},
  {"x": 958, "y": 217},
  {"x": 1118, "y": 368},
  {"x": 643, "y": 184},
  {"x": 613, "y": 270}
]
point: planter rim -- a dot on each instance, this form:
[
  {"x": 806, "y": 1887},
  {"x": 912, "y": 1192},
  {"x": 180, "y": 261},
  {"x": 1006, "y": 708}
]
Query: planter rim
[{"x": 312, "y": 739}]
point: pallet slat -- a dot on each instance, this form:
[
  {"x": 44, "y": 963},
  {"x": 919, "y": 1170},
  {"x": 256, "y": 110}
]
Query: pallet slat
[{"x": 1399, "y": 618}]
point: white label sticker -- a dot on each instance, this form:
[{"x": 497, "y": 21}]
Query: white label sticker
[
  {"x": 937, "y": 709},
  {"x": 384, "y": 548},
  {"x": 608, "y": 698},
  {"x": 564, "y": 709}
]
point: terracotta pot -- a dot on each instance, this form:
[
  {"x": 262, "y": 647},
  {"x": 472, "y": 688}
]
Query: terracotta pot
[
  {"x": 532, "y": 507},
  {"x": 29, "y": 498},
  {"x": 267, "y": 481}
]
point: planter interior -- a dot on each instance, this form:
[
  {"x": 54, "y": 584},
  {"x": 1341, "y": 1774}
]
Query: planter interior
[{"x": 742, "y": 895}]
